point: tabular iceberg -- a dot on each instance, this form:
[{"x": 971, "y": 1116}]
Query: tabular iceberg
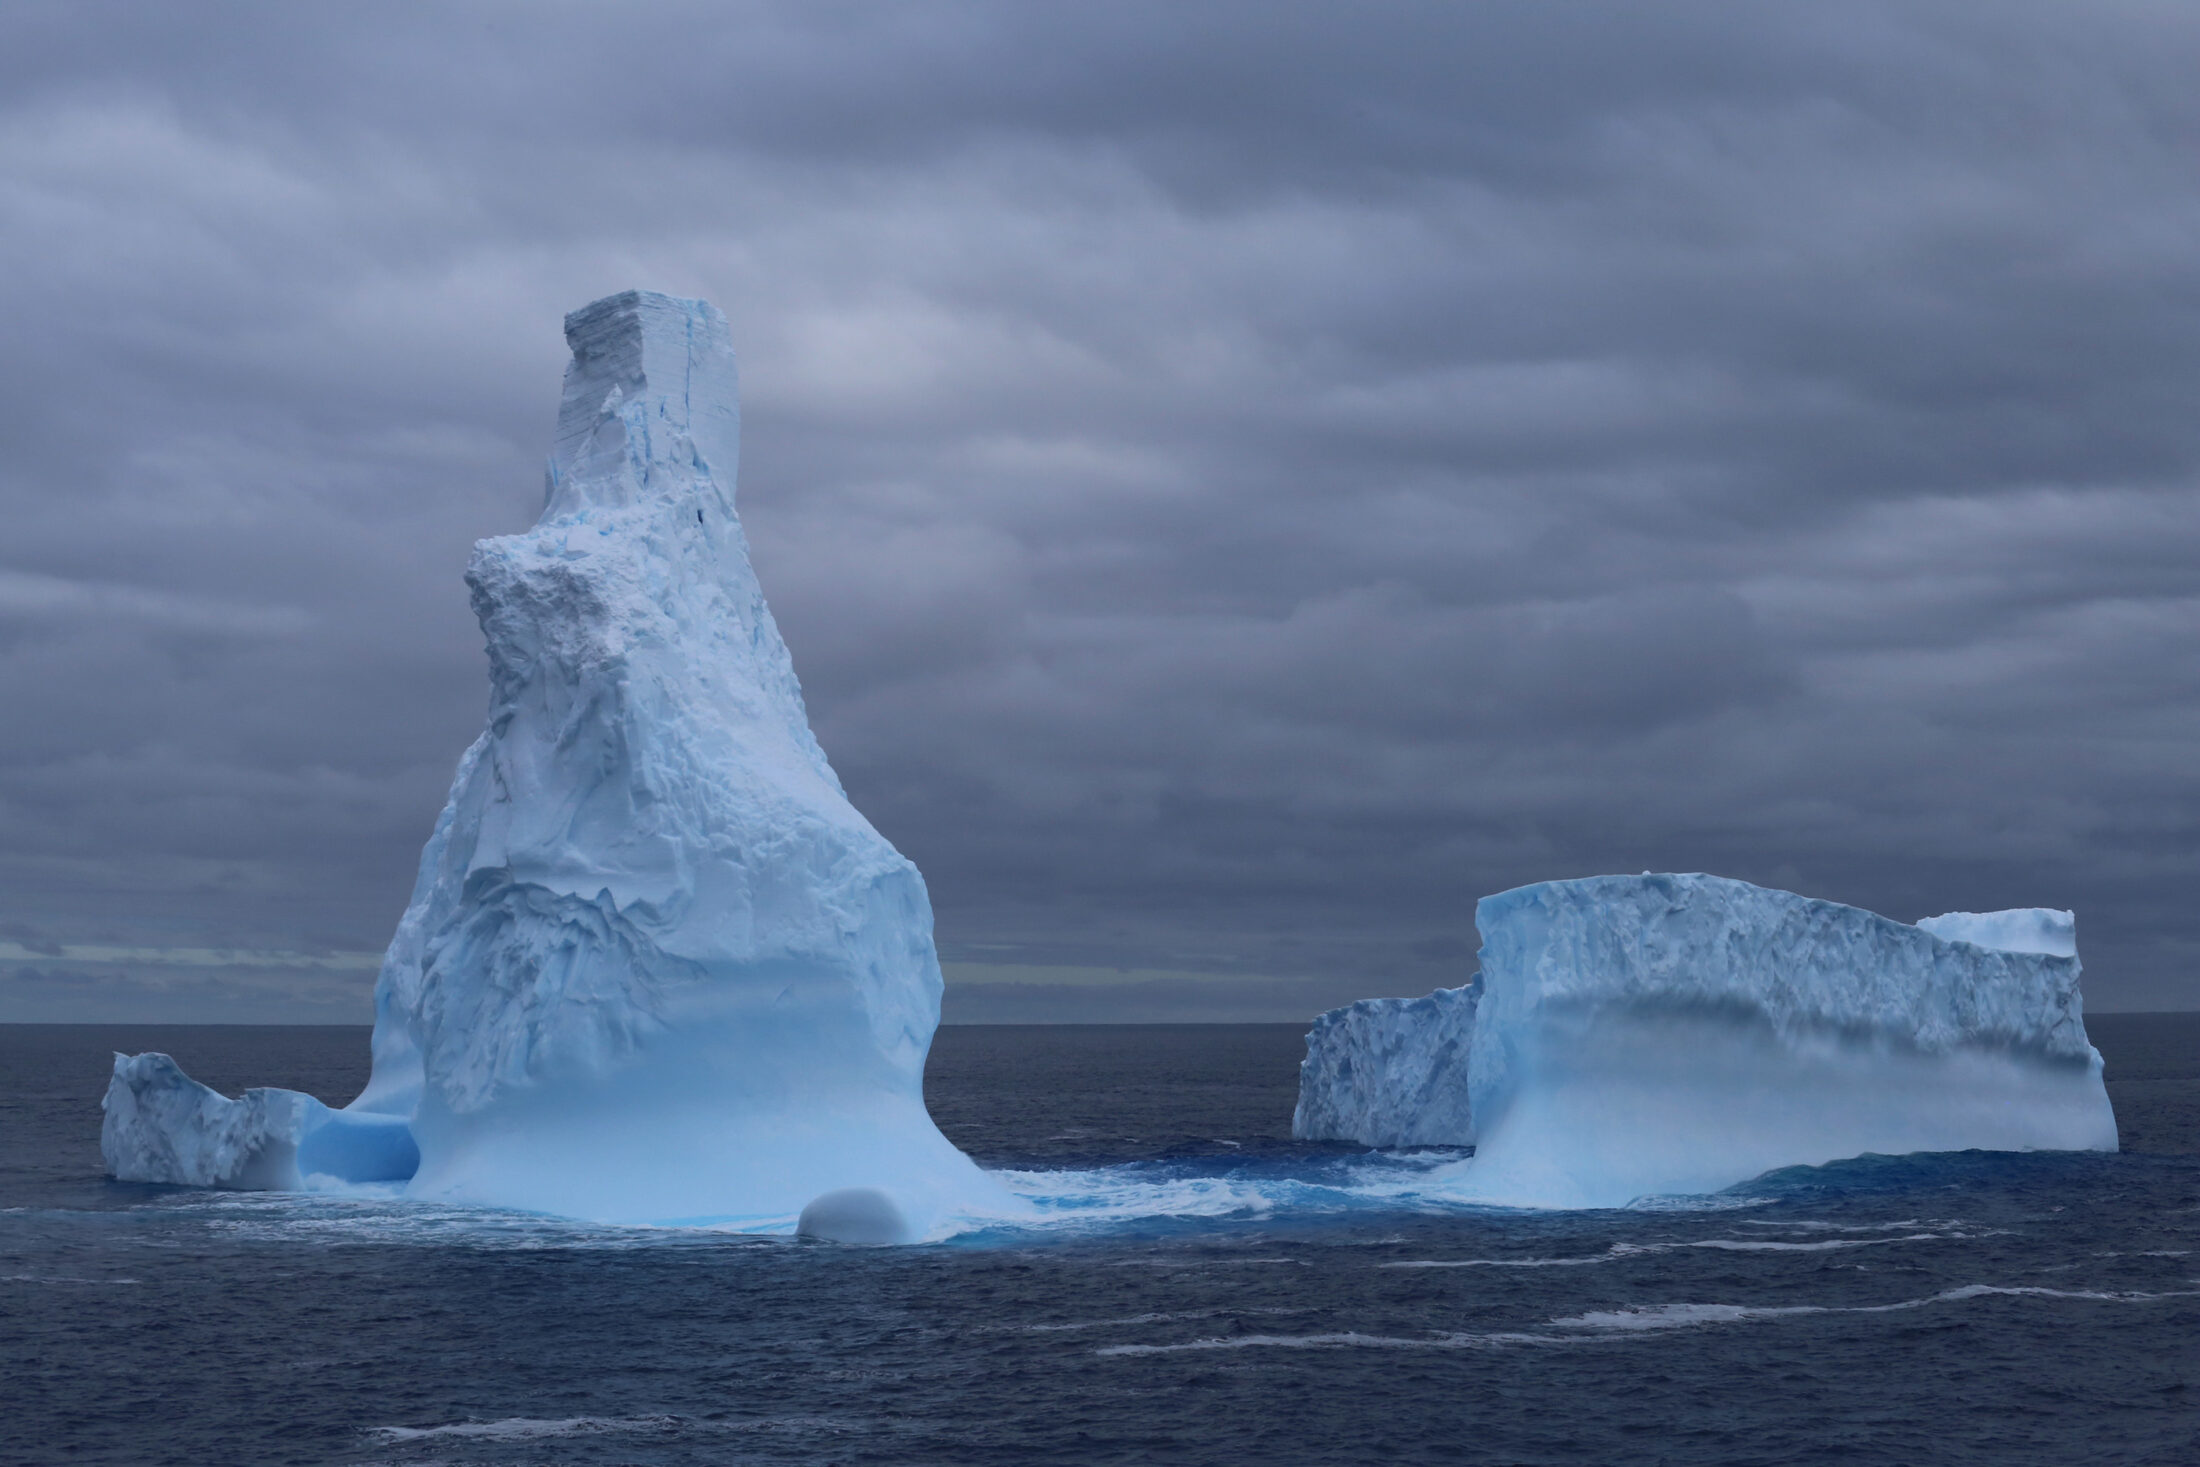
[
  {"x": 1638, "y": 1036},
  {"x": 656, "y": 967},
  {"x": 1390, "y": 1072}
]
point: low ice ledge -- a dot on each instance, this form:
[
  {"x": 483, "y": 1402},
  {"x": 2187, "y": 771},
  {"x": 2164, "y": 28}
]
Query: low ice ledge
[{"x": 163, "y": 1126}]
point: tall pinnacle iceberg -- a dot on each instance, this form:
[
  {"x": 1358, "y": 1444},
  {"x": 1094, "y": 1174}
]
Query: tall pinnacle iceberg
[{"x": 655, "y": 967}]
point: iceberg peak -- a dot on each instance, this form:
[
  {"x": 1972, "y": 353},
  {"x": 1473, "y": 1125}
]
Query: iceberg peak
[{"x": 651, "y": 404}]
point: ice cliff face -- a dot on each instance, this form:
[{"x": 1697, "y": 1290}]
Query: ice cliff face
[
  {"x": 1663, "y": 1034},
  {"x": 163, "y": 1126},
  {"x": 655, "y": 967},
  {"x": 1390, "y": 1072}
]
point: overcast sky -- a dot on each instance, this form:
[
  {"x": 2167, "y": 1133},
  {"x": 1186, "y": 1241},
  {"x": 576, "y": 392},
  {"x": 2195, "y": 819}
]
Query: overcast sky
[{"x": 1240, "y": 482}]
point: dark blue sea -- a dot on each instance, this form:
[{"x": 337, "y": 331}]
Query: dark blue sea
[{"x": 1226, "y": 1296}]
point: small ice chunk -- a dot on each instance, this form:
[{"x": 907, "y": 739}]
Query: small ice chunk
[{"x": 163, "y": 1126}]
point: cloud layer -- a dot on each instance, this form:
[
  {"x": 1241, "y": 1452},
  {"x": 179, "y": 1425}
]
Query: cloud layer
[{"x": 1239, "y": 482}]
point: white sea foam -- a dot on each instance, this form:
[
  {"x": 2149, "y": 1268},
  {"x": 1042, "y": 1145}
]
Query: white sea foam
[
  {"x": 1049, "y": 1329},
  {"x": 1136, "y": 1319},
  {"x": 1117, "y": 1194},
  {"x": 1040, "y": 1203},
  {"x": 530, "y": 1428},
  {"x": 1680, "y": 1316},
  {"x": 1107, "y": 1196},
  {"x": 527, "y": 1428},
  {"x": 1620, "y": 1251},
  {"x": 1697, "y": 1202},
  {"x": 1201, "y": 1260},
  {"x": 1611, "y": 1323},
  {"x": 1615, "y": 1252},
  {"x": 1674, "y": 1316},
  {"x": 1082, "y": 1201},
  {"x": 339, "y": 1220},
  {"x": 1622, "y": 1322},
  {"x": 1342, "y": 1340},
  {"x": 1824, "y": 1245},
  {"x": 1414, "y": 1182},
  {"x": 1812, "y": 1225}
]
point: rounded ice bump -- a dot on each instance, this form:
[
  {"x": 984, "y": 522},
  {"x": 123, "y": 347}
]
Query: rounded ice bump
[{"x": 856, "y": 1215}]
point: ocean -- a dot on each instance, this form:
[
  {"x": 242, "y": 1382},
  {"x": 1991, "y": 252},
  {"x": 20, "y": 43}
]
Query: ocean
[{"x": 1210, "y": 1292}]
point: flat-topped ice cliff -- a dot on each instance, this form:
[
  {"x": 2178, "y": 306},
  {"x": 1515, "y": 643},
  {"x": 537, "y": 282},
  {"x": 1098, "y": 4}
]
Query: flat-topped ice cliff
[
  {"x": 655, "y": 967},
  {"x": 1390, "y": 1072},
  {"x": 1679, "y": 1034}
]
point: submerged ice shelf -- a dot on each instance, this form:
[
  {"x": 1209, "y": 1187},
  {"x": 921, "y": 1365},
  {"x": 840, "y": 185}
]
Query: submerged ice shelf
[
  {"x": 655, "y": 967},
  {"x": 1637, "y": 1036}
]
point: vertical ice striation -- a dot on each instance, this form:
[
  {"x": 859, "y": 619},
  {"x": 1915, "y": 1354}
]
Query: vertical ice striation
[{"x": 655, "y": 967}]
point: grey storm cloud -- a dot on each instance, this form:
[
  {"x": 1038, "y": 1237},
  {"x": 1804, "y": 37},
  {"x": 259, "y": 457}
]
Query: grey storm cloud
[{"x": 1239, "y": 481}]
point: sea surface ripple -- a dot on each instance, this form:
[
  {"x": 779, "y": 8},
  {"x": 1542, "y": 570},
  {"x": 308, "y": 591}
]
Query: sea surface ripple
[{"x": 1196, "y": 1288}]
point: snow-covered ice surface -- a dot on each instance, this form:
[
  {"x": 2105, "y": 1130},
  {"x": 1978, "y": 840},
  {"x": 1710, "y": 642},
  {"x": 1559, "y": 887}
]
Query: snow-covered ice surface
[
  {"x": 655, "y": 967},
  {"x": 1679, "y": 1034},
  {"x": 1390, "y": 1072},
  {"x": 2020, "y": 930}
]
